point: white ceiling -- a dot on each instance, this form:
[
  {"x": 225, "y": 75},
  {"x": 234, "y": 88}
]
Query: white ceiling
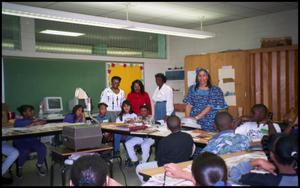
[{"x": 176, "y": 14}]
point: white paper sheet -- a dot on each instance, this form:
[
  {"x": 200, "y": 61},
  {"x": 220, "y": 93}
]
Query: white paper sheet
[
  {"x": 226, "y": 73},
  {"x": 191, "y": 78}
]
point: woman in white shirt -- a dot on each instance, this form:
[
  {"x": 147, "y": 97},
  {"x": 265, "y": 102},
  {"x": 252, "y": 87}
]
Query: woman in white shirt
[
  {"x": 163, "y": 98},
  {"x": 113, "y": 97},
  {"x": 125, "y": 115}
]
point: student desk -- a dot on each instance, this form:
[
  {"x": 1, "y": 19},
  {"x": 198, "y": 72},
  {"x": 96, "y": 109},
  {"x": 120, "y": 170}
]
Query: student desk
[
  {"x": 38, "y": 130},
  {"x": 200, "y": 137},
  {"x": 153, "y": 171},
  {"x": 60, "y": 154}
]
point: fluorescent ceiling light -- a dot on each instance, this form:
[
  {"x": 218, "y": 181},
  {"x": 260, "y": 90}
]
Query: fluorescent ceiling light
[
  {"x": 62, "y": 16},
  {"x": 64, "y": 33}
]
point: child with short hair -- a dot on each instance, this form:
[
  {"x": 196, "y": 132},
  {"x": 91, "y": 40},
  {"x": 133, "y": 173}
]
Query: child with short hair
[
  {"x": 102, "y": 116},
  {"x": 284, "y": 157},
  {"x": 91, "y": 170},
  {"x": 226, "y": 141},
  {"x": 145, "y": 143},
  {"x": 176, "y": 147},
  {"x": 259, "y": 125},
  {"x": 76, "y": 116},
  {"x": 29, "y": 144},
  {"x": 208, "y": 169}
]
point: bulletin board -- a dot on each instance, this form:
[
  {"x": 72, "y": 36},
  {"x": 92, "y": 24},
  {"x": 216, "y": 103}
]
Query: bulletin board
[{"x": 128, "y": 73}]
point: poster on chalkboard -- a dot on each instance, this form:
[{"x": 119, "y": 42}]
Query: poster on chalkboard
[{"x": 128, "y": 73}]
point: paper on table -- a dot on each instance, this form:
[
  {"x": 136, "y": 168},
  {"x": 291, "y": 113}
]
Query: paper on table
[{"x": 235, "y": 160}]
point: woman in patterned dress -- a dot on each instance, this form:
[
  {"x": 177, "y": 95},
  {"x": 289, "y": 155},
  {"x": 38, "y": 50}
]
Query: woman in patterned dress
[{"x": 204, "y": 100}]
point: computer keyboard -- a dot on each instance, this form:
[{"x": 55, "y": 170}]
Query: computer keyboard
[{"x": 54, "y": 116}]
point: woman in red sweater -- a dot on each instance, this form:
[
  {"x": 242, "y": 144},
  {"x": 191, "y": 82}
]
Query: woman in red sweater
[{"x": 139, "y": 97}]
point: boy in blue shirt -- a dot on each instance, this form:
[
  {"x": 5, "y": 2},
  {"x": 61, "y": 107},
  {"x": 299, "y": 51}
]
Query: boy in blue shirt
[
  {"x": 226, "y": 141},
  {"x": 29, "y": 144},
  {"x": 102, "y": 116}
]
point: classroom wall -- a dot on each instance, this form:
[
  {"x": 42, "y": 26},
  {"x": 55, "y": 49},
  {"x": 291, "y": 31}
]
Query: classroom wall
[
  {"x": 241, "y": 34},
  {"x": 152, "y": 66}
]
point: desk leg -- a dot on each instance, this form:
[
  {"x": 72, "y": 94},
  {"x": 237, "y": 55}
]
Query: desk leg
[
  {"x": 52, "y": 173},
  {"x": 63, "y": 176}
]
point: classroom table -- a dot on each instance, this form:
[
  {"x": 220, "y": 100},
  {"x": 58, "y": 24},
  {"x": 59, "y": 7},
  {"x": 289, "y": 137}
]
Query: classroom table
[
  {"x": 60, "y": 154},
  {"x": 38, "y": 130},
  {"x": 200, "y": 137},
  {"x": 154, "y": 171}
]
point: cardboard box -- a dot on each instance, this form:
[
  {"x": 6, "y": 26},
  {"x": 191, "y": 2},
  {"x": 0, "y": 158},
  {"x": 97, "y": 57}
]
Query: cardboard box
[{"x": 275, "y": 42}]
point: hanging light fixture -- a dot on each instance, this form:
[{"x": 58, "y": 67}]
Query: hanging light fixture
[{"x": 62, "y": 16}]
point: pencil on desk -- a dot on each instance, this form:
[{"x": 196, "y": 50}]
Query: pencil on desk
[{"x": 164, "y": 178}]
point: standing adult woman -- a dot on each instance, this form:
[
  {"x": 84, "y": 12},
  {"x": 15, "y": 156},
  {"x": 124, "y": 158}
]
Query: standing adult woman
[
  {"x": 139, "y": 97},
  {"x": 204, "y": 100},
  {"x": 163, "y": 98}
]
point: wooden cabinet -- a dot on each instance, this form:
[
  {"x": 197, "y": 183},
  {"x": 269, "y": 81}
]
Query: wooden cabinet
[{"x": 268, "y": 76}]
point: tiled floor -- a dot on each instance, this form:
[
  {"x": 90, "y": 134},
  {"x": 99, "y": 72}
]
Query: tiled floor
[{"x": 31, "y": 177}]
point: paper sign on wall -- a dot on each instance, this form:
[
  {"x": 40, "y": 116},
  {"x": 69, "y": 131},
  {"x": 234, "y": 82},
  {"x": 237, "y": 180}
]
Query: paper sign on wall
[
  {"x": 191, "y": 78},
  {"x": 227, "y": 84}
]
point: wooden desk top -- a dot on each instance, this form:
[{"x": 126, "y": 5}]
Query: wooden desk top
[
  {"x": 63, "y": 151},
  {"x": 153, "y": 171},
  {"x": 39, "y": 130}
]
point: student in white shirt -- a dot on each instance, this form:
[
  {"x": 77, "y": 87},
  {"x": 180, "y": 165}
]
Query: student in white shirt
[
  {"x": 163, "y": 98},
  {"x": 259, "y": 125},
  {"x": 113, "y": 97},
  {"x": 126, "y": 114},
  {"x": 145, "y": 143}
]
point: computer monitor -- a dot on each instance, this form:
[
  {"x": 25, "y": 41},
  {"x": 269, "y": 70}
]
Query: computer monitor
[
  {"x": 52, "y": 105},
  {"x": 86, "y": 103}
]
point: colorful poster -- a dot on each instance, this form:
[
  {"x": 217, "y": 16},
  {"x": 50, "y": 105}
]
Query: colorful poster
[{"x": 128, "y": 73}]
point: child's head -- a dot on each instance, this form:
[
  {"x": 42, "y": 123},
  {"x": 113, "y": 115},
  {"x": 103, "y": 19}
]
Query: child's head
[
  {"x": 174, "y": 123},
  {"x": 89, "y": 170},
  {"x": 284, "y": 151},
  {"x": 223, "y": 121},
  {"x": 102, "y": 108},
  {"x": 144, "y": 111},
  {"x": 126, "y": 107},
  {"x": 78, "y": 110},
  {"x": 26, "y": 111},
  {"x": 208, "y": 169},
  {"x": 259, "y": 112}
]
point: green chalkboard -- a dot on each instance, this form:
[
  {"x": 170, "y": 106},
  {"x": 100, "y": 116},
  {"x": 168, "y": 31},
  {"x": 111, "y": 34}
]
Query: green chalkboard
[{"x": 28, "y": 80}]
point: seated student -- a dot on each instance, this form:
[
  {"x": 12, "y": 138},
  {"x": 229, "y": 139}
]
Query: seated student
[
  {"x": 102, "y": 116},
  {"x": 226, "y": 141},
  {"x": 11, "y": 154},
  {"x": 259, "y": 125},
  {"x": 176, "y": 147},
  {"x": 91, "y": 170},
  {"x": 29, "y": 144},
  {"x": 145, "y": 143},
  {"x": 208, "y": 169},
  {"x": 125, "y": 115},
  {"x": 290, "y": 120},
  {"x": 145, "y": 113},
  {"x": 284, "y": 157},
  {"x": 76, "y": 116}
]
